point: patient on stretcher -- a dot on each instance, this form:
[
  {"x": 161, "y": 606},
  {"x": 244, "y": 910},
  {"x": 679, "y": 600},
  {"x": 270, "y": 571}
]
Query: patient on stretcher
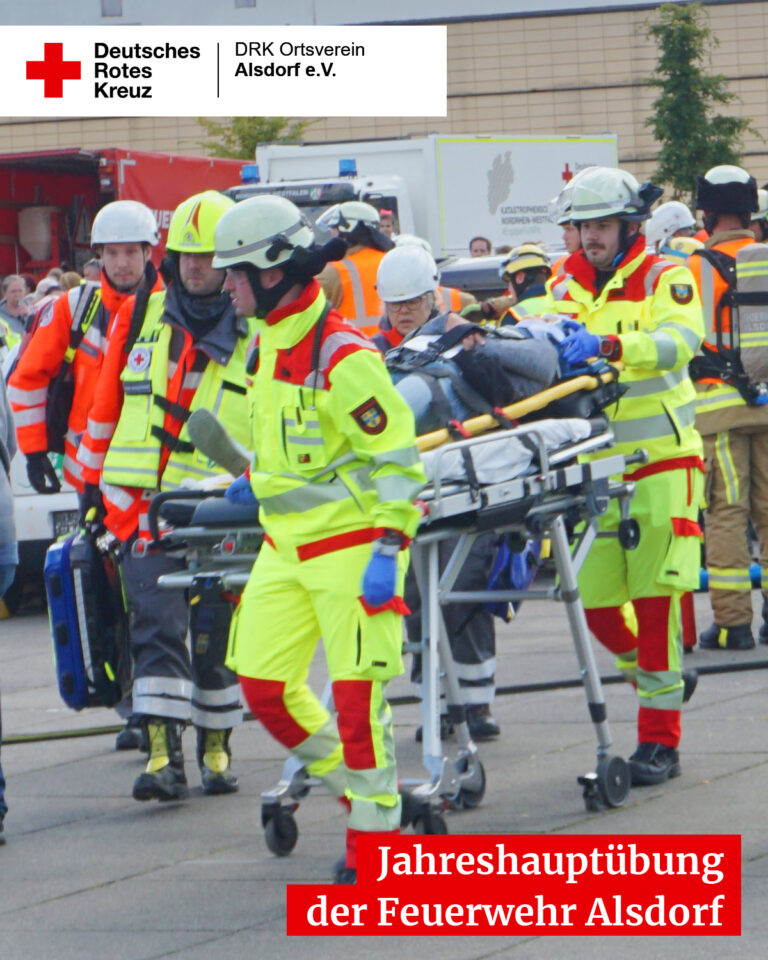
[{"x": 449, "y": 369}]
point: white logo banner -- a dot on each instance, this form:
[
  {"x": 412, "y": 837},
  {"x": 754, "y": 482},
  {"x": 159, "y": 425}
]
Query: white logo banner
[{"x": 327, "y": 71}]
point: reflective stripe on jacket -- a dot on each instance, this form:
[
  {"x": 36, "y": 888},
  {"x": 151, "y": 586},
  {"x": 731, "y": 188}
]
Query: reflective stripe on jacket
[
  {"x": 334, "y": 441},
  {"x": 150, "y": 448},
  {"x": 41, "y": 360},
  {"x": 653, "y": 308},
  {"x": 360, "y": 303},
  {"x": 451, "y": 298}
]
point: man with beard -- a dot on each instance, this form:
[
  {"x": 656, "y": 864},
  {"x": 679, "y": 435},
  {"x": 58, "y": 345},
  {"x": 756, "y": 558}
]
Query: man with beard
[
  {"x": 638, "y": 308},
  {"x": 185, "y": 353}
]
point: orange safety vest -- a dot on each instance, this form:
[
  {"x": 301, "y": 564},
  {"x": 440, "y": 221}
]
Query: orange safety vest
[
  {"x": 361, "y": 304},
  {"x": 447, "y": 299},
  {"x": 712, "y": 286},
  {"x": 39, "y": 364},
  {"x": 719, "y": 405}
]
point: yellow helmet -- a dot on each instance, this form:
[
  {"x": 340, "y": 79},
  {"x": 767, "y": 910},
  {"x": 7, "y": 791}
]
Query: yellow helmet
[
  {"x": 528, "y": 256},
  {"x": 194, "y": 220}
]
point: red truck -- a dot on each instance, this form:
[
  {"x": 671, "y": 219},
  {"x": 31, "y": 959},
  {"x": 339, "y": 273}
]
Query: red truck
[{"x": 48, "y": 198}]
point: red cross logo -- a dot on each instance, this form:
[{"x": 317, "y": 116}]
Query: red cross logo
[
  {"x": 53, "y": 70},
  {"x": 566, "y": 174}
]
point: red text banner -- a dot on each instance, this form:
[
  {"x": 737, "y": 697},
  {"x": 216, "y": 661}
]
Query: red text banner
[{"x": 655, "y": 885}]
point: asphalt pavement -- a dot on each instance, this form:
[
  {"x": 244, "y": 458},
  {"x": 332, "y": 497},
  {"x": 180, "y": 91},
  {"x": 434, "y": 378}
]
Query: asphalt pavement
[{"x": 89, "y": 873}]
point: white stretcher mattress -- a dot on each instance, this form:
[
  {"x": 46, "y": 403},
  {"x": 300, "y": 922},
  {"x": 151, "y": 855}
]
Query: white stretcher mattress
[{"x": 498, "y": 460}]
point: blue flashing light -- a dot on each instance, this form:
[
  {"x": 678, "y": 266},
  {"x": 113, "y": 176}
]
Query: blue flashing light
[
  {"x": 348, "y": 168},
  {"x": 249, "y": 173}
]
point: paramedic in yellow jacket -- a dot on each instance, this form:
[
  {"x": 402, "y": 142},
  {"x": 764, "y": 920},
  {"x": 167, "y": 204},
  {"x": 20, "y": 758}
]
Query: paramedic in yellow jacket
[
  {"x": 644, "y": 311},
  {"x": 335, "y": 471}
]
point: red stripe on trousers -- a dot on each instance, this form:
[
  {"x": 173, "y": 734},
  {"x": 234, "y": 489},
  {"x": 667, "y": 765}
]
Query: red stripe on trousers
[
  {"x": 352, "y": 699},
  {"x": 688, "y": 621},
  {"x": 653, "y": 725},
  {"x": 653, "y": 631},
  {"x": 608, "y": 626},
  {"x": 658, "y": 726},
  {"x": 682, "y": 527},
  {"x": 352, "y": 835},
  {"x": 265, "y": 698}
]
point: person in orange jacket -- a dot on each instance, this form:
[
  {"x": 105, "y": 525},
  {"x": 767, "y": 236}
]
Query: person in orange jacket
[
  {"x": 350, "y": 284},
  {"x": 75, "y": 330}
]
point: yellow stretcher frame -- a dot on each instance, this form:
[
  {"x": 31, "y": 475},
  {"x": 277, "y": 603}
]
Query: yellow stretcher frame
[{"x": 485, "y": 422}]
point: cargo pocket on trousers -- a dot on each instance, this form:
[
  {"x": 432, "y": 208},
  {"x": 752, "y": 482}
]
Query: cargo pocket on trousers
[
  {"x": 378, "y": 647},
  {"x": 683, "y": 557}
]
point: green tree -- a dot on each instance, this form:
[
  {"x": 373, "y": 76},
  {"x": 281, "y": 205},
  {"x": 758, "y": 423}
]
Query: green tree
[
  {"x": 238, "y": 137},
  {"x": 693, "y": 138}
]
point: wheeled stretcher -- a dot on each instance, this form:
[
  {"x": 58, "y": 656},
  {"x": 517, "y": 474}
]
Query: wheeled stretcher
[
  {"x": 527, "y": 480},
  {"x": 554, "y": 496}
]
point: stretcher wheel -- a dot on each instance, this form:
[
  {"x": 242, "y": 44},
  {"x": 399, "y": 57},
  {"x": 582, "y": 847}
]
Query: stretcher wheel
[
  {"x": 429, "y": 821},
  {"x": 300, "y": 788},
  {"x": 613, "y": 780},
  {"x": 281, "y": 833},
  {"x": 471, "y": 797},
  {"x": 629, "y": 533}
]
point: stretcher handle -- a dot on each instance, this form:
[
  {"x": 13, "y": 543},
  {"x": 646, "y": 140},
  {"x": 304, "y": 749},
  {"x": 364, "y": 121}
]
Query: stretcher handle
[
  {"x": 159, "y": 499},
  {"x": 639, "y": 456},
  {"x": 485, "y": 422}
]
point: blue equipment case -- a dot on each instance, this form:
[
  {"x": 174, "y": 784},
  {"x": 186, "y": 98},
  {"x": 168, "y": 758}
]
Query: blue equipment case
[{"x": 88, "y": 622}]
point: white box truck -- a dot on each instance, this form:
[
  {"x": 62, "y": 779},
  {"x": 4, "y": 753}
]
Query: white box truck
[{"x": 445, "y": 188}]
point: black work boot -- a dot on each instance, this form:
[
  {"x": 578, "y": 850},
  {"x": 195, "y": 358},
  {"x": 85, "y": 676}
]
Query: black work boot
[
  {"x": 2, "y": 834},
  {"x": 762, "y": 634},
  {"x": 481, "y": 724},
  {"x": 213, "y": 757},
  {"x": 133, "y": 736},
  {"x": 727, "y": 638},
  {"x": 164, "y": 777},
  {"x": 653, "y": 763},
  {"x": 342, "y": 873}
]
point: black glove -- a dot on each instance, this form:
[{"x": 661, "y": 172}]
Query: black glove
[
  {"x": 92, "y": 498},
  {"x": 41, "y": 474}
]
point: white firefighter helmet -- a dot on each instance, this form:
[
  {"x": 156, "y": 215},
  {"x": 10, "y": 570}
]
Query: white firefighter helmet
[
  {"x": 263, "y": 231},
  {"x": 124, "y": 221},
  {"x": 411, "y": 240},
  {"x": 666, "y": 220},
  {"x": 608, "y": 192},
  {"x": 405, "y": 273},
  {"x": 560, "y": 206},
  {"x": 727, "y": 188},
  {"x": 762, "y": 205},
  {"x": 346, "y": 216}
]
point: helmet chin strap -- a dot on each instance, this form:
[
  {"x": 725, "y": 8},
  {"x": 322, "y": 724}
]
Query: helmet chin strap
[
  {"x": 625, "y": 242},
  {"x": 267, "y": 299}
]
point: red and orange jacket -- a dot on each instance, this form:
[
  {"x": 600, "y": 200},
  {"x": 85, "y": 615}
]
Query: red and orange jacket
[{"x": 41, "y": 361}]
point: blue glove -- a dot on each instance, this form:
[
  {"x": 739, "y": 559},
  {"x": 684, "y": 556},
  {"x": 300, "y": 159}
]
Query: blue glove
[
  {"x": 379, "y": 579},
  {"x": 580, "y": 344},
  {"x": 239, "y": 491}
]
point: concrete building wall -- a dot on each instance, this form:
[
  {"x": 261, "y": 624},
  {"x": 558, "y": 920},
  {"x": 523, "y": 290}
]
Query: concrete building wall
[{"x": 560, "y": 73}]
